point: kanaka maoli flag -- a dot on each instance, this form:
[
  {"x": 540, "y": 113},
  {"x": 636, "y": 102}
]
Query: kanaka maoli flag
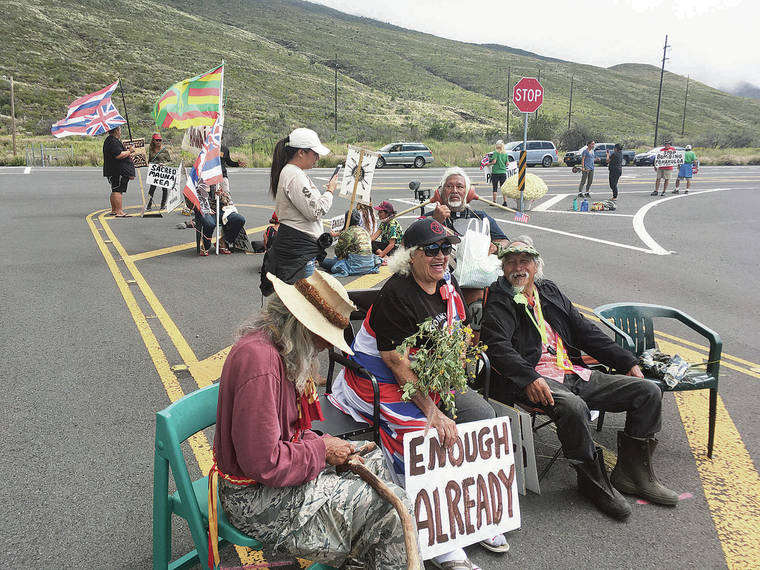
[
  {"x": 91, "y": 115},
  {"x": 190, "y": 103},
  {"x": 208, "y": 165}
]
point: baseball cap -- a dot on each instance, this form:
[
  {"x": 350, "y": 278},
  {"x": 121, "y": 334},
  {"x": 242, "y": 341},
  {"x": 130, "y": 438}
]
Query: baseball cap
[
  {"x": 517, "y": 247},
  {"x": 426, "y": 231},
  {"x": 306, "y": 138},
  {"x": 688, "y": 147},
  {"x": 156, "y": 137},
  {"x": 385, "y": 206}
]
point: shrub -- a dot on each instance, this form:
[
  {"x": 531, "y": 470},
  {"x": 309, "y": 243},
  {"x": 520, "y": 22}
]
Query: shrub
[
  {"x": 577, "y": 136},
  {"x": 543, "y": 127}
]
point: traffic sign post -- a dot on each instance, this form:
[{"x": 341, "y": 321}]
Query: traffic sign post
[{"x": 527, "y": 95}]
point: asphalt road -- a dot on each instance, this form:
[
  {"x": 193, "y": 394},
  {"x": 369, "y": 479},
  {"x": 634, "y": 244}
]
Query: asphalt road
[{"x": 96, "y": 311}]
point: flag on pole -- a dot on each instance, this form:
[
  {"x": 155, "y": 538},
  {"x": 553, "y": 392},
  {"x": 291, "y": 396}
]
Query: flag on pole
[
  {"x": 208, "y": 165},
  {"x": 521, "y": 217},
  {"x": 192, "y": 102},
  {"x": 91, "y": 115}
]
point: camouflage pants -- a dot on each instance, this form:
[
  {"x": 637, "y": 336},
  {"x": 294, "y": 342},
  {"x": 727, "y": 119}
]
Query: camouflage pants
[{"x": 329, "y": 519}]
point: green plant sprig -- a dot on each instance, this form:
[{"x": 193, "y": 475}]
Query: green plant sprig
[{"x": 441, "y": 360}]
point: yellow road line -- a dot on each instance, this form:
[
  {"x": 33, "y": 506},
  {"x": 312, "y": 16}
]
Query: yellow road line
[
  {"x": 180, "y": 247},
  {"x": 185, "y": 352}
]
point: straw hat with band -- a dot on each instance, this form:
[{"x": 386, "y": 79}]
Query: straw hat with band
[{"x": 320, "y": 303}]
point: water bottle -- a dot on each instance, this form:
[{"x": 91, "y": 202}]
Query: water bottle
[
  {"x": 575, "y": 204},
  {"x": 584, "y": 205}
]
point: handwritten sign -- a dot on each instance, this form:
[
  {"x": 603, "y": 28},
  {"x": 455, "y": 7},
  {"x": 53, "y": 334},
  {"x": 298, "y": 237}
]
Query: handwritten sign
[
  {"x": 337, "y": 223},
  {"x": 358, "y": 174},
  {"x": 174, "y": 196},
  {"x": 162, "y": 175},
  {"x": 463, "y": 494},
  {"x": 668, "y": 158},
  {"x": 139, "y": 158}
]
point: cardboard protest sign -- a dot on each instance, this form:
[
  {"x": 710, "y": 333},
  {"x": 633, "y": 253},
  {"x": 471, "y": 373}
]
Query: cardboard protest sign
[
  {"x": 337, "y": 223},
  {"x": 668, "y": 158},
  {"x": 162, "y": 175},
  {"x": 174, "y": 196},
  {"x": 139, "y": 158},
  {"x": 464, "y": 494},
  {"x": 358, "y": 175}
]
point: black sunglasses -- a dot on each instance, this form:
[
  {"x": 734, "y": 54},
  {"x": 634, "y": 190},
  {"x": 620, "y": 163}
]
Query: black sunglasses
[{"x": 432, "y": 249}]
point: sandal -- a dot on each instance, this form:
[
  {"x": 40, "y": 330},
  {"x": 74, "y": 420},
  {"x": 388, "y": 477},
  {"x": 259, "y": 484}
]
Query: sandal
[
  {"x": 224, "y": 250},
  {"x": 490, "y": 544},
  {"x": 456, "y": 565},
  {"x": 203, "y": 253}
]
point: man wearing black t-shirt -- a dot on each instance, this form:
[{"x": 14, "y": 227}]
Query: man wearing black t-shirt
[{"x": 118, "y": 168}]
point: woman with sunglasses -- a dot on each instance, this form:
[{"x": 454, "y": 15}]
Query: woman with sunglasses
[
  {"x": 157, "y": 153},
  {"x": 299, "y": 206},
  {"x": 421, "y": 287}
]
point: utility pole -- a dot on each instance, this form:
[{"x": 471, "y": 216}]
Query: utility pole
[
  {"x": 13, "y": 113},
  {"x": 336, "y": 95},
  {"x": 685, "y": 98},
  {"x": 659, "y": 95},
  {"x": 570, "y": 110},
  {"x": 509, "y": 96}
]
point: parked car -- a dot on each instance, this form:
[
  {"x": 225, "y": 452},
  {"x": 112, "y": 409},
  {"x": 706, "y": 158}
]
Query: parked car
[
  {"x": 647, "y": 158},
  {"x": 406, "y": 153},
  {"x": 539, "y": 152},
  {"x": 573, "y": 158}
]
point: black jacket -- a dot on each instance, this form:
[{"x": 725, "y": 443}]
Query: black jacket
[{"x": 514, "y": 343}]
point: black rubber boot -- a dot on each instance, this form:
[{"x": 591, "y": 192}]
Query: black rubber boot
[
  {"x": 634, "y": 474},
  {"x": 594, "y": 484},
  {"x": 150, "y": 204}
]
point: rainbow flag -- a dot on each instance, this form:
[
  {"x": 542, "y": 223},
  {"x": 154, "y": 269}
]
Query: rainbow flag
[{"x": 190, "y": 103}]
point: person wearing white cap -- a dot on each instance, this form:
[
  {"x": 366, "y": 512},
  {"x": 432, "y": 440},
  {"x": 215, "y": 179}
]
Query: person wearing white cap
[
  {"x": 498, "y": 164},
  {"x": 686, "y": 170},
  {"x": 276, "y": 477},
  {"x": 299, "y": 206}
]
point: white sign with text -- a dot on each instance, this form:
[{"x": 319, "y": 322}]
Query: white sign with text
[
  {"x": 174, "y": 196},
  {"x": 466, "y": 493},
  {"x": 162, "y": 175},
  {"x": 668, "y": 158}
]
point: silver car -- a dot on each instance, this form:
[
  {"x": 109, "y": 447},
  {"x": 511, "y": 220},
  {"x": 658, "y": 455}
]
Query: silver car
[
  {"x": 539, "y": 152},
  {"x": 406, "y": 153}
]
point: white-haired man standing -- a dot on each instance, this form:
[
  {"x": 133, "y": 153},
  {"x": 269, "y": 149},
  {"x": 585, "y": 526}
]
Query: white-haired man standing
[{"x": 535, "y": 337}]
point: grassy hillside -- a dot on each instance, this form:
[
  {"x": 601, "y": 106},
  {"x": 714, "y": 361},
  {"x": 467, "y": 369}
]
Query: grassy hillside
[{"x": 393, "y": 82}]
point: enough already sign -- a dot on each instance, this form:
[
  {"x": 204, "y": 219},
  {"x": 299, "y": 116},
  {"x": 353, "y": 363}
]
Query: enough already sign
[
  {"x": 668, "y": 158},
  {"x": 162, "y": 175},
  {"x": 463, "y": 494}
]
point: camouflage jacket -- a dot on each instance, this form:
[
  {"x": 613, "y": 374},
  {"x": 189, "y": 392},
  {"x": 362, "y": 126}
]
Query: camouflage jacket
[{"x": 353, "y": 240}]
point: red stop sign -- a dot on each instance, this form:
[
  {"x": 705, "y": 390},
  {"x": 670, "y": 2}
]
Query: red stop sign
[{"x": 528, "y": 94}]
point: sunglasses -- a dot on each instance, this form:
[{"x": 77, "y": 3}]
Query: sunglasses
[
  {"x": 158, "y": 140},
  {"x": 432, "y": 249}
]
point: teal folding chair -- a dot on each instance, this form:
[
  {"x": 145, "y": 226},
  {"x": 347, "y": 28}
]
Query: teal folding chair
[
  {"x": 175, "y": 424},
  {"x": 633, "y": 325}
]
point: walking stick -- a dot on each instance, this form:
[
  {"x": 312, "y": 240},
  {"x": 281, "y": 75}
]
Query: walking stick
[{"x": 410, "y": 536}]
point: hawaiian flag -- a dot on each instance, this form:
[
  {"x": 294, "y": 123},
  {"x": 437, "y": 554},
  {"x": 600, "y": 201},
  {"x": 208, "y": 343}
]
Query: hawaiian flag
[
  {"x": 192, "y": 102},
  {"x": 208, "y": 165},
  {"x": 91, "y": 115}
]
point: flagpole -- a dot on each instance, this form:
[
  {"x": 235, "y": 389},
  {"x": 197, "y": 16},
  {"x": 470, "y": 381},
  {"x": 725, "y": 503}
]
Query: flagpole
[
  {"x": 221, "y": 130},
  {"x": 126, "y": 113}
]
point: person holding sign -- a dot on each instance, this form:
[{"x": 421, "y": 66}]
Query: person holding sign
[
  {"x": 686, "y": 170},
  {"x": 276, "y": 477},
  {"x": 421, "y": 287},
  {"x": 535, "y": 336},
  {"x": 663, "y": 173},
  {"x": 299, "y": 206},
  {"x": 159, "y": 154},
  {"x": 118, "y": 169},
  {"x": 498, "y": 164}
]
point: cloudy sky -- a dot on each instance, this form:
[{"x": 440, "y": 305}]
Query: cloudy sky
[{"x": 713, "y": 41}]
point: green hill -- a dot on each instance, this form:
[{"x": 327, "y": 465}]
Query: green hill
[{"x": 280, "y": 54}]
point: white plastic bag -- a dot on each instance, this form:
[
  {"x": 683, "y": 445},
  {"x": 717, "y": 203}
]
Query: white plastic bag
[{"x": 475, "y": 267}]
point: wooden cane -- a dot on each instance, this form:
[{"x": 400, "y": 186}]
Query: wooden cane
[
  {"x": 410, "y": 536},
  {"x": 420, "y": 205},
  {"x": 506, "y": 208}
]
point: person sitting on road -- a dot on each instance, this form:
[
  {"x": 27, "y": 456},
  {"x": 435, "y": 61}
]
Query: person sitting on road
[
  {"x": 421, "y": 287},
  {"x": 233, "y": 222},
  {"x": 534, "y": 336},
  {"x": 353, "y": 251},
  {"x": 276, "y": 477},
  {"x": 388, "y": 235}
]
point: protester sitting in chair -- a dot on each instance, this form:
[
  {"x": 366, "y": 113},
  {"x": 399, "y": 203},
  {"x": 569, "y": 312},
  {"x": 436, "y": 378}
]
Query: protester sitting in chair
[
  {"x": 277, "y": 478},
  {"x": 233, "y": 222},
  {"x": 353, "y": 251},
  {"x": 534, "y": 336},
  {"x": 421, "y": 287}
]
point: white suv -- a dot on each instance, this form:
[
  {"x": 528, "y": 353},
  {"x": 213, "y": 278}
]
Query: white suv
[{"x": 539, "y": 152}]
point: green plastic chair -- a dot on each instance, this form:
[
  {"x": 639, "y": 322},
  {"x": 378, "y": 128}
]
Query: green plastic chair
[
  {"x": 633, "y": 326},
  {"x": 175, "y": 424}
]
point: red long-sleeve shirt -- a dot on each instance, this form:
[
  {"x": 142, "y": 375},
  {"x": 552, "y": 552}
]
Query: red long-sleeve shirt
[{"x": 257, "y": 416}]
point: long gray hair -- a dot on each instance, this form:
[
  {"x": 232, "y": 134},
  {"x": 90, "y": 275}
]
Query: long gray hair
[
  {"x": 538, "y": 259},
  {"x": 400, "y": 263},
  {"x": 294, "y": 342}
]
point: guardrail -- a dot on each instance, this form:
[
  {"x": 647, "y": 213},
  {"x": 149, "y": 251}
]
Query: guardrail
[{"x": 48, "y": 156}]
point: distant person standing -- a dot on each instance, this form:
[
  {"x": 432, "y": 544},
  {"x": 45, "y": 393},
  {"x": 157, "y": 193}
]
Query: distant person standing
[
  {"x": 663, "y": 173},
  {"x": 159, "y": 154},
  {"x": 227, "y": 161},
  {"x": 686, "y": 170},
  {"x": 587, "y": 168},
  {"x": 615, "y": 166},
  {"x": 498, "y": 164},
  {"x": 118, "y": 169}
]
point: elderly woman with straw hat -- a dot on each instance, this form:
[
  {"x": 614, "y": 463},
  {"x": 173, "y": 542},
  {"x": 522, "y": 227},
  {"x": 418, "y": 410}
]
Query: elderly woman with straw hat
[{"x": 277, "y": 478}]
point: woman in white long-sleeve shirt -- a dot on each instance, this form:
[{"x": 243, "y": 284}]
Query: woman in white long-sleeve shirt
[{"x": 300, "y": 207}]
